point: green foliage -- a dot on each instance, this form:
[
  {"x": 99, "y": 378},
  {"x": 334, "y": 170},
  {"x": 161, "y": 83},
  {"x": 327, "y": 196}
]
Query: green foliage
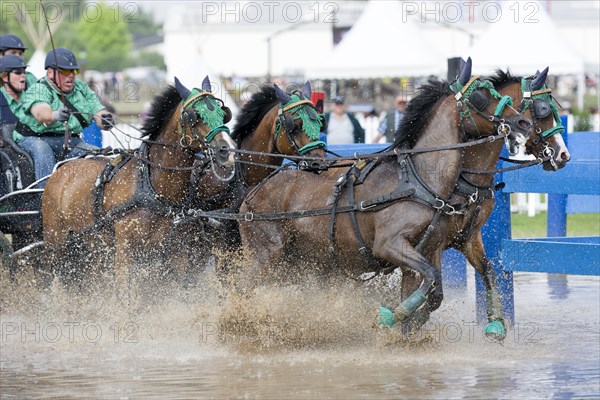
[
  {"x": 139, "y": 22},
  {"x": 582, "y": 121},
  {"x": 100, "y": 35},
  {"x": 577, "y": 225},
  {"x": 25, "y": 18},
  {"x": 105, "y": 39},
  {"x": 149, "y": 59}
]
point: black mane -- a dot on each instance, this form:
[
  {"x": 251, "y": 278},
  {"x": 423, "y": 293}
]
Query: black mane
[
  {"x": 418, "y": 112},
  {"x": 501, "y": 79},
  {"x": 253, "y": 112},
  {"x": 160, "y": 112}
]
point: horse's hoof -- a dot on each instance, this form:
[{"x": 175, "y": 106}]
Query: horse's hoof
[
  {"x": 386, "y": 317},
  {"x": 495, "y": 330}
]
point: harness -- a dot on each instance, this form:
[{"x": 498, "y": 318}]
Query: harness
[
  {"x": 144, "y": 195},
  {"x": 541, "y": 104}
]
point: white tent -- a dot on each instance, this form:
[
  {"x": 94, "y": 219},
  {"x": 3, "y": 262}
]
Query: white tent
[
  {"x": 382, "y": 43},
  {"x": 524, "y": 44}
]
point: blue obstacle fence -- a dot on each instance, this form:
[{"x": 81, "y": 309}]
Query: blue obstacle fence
[{"x": 557, "y": 253}]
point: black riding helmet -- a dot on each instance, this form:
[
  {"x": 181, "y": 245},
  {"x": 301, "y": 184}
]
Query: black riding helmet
[
  {"x": 9, "y": 41},
  {"x": 61, "y": 58},
  {"x": 10, "y": 62}
]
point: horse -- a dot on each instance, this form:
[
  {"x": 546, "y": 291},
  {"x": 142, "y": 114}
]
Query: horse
[
  {"x": 476, "y": 186},
  {"x": 270, "y": 125},
  {"x": 129, "y": 202},
  {"x": 536, "y": 102},
  {"x": 398, "y": 202}
]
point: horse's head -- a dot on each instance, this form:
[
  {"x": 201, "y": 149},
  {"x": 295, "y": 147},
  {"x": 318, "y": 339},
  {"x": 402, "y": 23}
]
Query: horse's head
[
  {"x": 202, "y": 123},
  {"x": 536, "y": 102},
  {"x": 298, "y": 126},
  {"x": 483, "y": 111}
]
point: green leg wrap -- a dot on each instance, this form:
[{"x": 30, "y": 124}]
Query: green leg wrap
[
  {"x": 386, "y": 317},
  {"x": 409, "y": 306},
  {"x": 403, "y": 311},
  {"x": 494, "y": 307},
  {"x": 495, "y": 329}
]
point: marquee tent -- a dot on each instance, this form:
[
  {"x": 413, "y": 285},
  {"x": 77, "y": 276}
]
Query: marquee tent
[{"x": 382, "y": 43}]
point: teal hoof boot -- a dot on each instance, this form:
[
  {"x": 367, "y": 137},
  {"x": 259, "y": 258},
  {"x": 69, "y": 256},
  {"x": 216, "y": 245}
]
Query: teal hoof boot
[
  {"x": 495, "y": 331},
  {"x": 386, "y": 317}
]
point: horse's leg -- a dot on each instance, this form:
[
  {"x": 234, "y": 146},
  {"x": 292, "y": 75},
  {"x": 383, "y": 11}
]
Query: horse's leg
[
  {"x": 410, "y": 282},
  {"x": 124, "y": 251},
  {"x": 264, "y": 246},
  {"x": 475, "y": 254},
  {"x": 399, "y": 251}
]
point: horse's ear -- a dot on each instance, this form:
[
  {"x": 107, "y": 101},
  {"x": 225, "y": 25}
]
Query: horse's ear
[
  {"x": 306, "y": 90},
  {"x": 465, "y": 72},
  {"x": 281, "y": 95},
  {"x": 540, "y": 79},
  {"x": 182, "y": 90},
  {"x": 206, "y": 85}
]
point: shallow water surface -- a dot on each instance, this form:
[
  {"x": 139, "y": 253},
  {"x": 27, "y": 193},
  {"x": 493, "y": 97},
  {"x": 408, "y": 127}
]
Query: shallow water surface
[{"x": 309, "y": 342}]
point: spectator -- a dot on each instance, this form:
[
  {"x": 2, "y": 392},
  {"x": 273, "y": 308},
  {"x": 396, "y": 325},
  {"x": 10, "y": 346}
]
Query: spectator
[
  {"x": 343, "y": 127},
  {"x": 391, "y": 121}
]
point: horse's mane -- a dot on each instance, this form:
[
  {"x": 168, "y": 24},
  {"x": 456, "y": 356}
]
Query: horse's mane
[
  {"x": 501, "y": 78},
  {"x": 160, "y": 113},
  {"x": 418, "y": 112},
  {"x": 253, "y": 112}
]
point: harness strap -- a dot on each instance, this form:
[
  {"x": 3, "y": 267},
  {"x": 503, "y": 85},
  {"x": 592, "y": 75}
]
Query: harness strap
[
  {"x": 194, "y": 97},
  {"x": 144, "y": 194},
  {"x": 419, "y": 247},
  {"x": 296, "y": 104}
]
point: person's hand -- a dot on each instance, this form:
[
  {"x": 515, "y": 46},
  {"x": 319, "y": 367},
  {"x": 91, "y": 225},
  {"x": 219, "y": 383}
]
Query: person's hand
[
  {"x": 61, "y": 115},
  {"x": 108, "y": 121}
]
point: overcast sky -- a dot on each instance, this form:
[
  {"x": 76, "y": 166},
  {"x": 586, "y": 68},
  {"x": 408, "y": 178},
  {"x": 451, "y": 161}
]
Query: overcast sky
[{"x": 558, "y": 9}]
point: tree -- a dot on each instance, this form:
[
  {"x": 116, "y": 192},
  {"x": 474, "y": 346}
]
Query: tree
[
  {"x": 104, "y": 37},
  {"x": 27, "y": 19}
]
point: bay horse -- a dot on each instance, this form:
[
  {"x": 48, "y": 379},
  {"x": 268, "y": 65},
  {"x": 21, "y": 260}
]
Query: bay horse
[
  {"x": 398, "y": 204},
  {"x": 270, "y": 125},
  {"x": 476, "y": 187},
  {"x": 129, "y": 202}
]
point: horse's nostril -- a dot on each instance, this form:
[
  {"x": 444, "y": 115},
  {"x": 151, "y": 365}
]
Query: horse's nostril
[
  {"x": 224, "y": 151},
  {"x": 524, "y": 124}
]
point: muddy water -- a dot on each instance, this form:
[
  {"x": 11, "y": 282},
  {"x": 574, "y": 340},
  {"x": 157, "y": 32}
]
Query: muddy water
[{"x": 308, "y": 342}]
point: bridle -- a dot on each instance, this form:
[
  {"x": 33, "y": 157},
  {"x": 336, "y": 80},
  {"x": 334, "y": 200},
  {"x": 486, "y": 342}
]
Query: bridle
[
  {"x": 535, "y": 100},
  {"x": 304, "y": 110},
  {"x": 199, "y": 107},
  {"x": 470, "y": 99}
]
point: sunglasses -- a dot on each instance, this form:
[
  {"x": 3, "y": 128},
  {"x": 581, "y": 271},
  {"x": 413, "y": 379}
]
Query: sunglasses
[
  {"x": 18, "y": 71},
  {"x": 67, "y": 72}
]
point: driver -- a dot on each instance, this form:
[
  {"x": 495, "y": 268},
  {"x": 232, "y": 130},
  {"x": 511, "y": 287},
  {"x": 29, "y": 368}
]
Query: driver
[{"x": 54, "y": 103}]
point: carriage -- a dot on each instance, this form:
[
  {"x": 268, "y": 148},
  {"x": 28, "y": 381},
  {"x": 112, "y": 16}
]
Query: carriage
[{"x": 20, "y": 197}]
